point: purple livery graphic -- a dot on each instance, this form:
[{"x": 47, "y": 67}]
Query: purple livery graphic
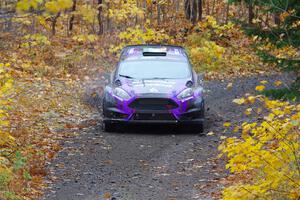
[{"x": 153, "y": 84}]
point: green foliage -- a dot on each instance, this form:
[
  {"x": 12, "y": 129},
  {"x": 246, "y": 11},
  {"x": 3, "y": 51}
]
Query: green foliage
[
  {"x": 20, "y": 161},
  {"x": 11, "y": 196},
  {"x": 5, "y": 177},
  {"x": 27, "y": 175},
  {"x": 284, "y": 94},
  {"x": 285, "y": 33},
  {"x": 292, "y": 93},
  {"x": 283, "y": 63}
]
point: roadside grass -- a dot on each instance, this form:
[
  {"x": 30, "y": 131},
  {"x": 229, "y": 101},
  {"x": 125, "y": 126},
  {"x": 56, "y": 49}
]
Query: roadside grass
[{"x": 283, "y": 94}]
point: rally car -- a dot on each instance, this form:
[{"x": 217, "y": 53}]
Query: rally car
[{"x": 153, "y": 84}]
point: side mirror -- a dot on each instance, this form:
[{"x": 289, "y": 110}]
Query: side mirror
[{"x": 200, "y": 79}]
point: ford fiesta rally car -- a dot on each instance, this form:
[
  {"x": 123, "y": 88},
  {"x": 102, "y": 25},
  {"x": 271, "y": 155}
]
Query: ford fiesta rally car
[{"x": 153, "y": 84}]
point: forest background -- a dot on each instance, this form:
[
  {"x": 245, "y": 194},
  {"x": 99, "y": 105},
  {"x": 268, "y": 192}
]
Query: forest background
[{"x": 49, "y": 47}]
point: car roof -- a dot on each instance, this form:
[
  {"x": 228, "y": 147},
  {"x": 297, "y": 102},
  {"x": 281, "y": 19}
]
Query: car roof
[{"x": 154, "y": 51}]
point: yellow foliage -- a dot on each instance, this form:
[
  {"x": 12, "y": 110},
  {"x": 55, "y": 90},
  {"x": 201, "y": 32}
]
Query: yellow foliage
[
  {"x": 87, "y": 12},
  {"x": 138, "y": 35},
  {"x": 85, "y": 38},
  {"x": 268, "y": 152},
  {"x": 32, "y": 40},
  {"x": 55, "y": 6},
  {"x": 25, "y": 5},
  {"x": 123, "y": 10},
  {"x": 208, "y": 55},
  {"x": 221, "y": 49},
  {"x": 6, "y": 84},
  {"x": 7, "y": 142}
]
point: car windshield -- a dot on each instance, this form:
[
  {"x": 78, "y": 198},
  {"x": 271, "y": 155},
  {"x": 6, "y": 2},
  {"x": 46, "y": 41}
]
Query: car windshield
[{"x": 154, "y": 69}]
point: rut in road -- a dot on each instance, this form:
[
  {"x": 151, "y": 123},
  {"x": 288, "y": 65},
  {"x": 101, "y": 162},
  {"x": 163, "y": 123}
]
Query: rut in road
[{"x": 150, "y": 162}]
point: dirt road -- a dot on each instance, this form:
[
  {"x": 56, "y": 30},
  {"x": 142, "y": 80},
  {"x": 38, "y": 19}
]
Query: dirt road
[{"x": 150, "y": 162}]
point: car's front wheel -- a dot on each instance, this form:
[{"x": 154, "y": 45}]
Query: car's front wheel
[
  {"x": 109, "y": 127},
  {"x": 195, "y": 128}
]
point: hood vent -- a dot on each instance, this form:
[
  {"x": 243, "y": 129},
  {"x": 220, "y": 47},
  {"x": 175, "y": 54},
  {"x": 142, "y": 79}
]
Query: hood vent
[{"x": 154, "y": 54}]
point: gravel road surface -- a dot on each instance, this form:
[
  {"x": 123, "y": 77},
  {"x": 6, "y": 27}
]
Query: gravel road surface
[{"x": 150, "y": 162}]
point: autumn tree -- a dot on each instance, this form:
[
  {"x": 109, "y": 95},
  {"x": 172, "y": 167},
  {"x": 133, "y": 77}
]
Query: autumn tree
[{"x": 193, "y": 10}]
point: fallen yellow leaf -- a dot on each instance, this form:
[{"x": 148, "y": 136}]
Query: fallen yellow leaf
[
  {"x": 277, "y": 83},
  {"x": 210, "y": 133},
  {"x": 264, "y": 82},
  {"x": 239, "y": 101},
  {"x": 226, "y": 124},
  {"x": 236, "y": 129},
  {"x": 248, "y": 111},
  {"x": 223, "y": 137},
  {"x": 260, "y": 88}
]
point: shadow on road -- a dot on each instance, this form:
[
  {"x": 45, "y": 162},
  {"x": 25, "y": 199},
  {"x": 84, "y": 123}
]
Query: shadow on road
[{"x": 155, "y": 129}]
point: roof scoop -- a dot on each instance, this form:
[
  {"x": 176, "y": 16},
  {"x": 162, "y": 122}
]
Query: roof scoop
[{"x": 155, "y": 51}]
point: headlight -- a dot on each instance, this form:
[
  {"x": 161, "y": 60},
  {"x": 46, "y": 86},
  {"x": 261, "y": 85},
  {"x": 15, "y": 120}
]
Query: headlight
[
  {"x": 185, "y": 94},
  {"x": 121, "y": 93}
]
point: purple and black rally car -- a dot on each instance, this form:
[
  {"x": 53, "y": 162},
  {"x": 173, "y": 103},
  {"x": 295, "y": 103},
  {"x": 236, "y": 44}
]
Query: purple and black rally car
[{"x": 154, "y": 84}]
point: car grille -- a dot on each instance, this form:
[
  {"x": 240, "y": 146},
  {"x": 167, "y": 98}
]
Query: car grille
[
  {"x": 153, "y": 116},
  {"x": 153, "y": 104}
]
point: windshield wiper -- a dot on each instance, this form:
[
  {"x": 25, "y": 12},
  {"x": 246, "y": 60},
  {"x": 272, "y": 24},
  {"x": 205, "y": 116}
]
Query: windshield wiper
[{"x": 125, "y": 76}]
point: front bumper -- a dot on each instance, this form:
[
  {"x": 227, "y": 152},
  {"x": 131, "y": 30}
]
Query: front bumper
[
  {"x": 122, "y": 121},
  {"x": 192, "y": 116}
]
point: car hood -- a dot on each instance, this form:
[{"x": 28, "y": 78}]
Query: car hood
[{"x": 154, "y": 87}]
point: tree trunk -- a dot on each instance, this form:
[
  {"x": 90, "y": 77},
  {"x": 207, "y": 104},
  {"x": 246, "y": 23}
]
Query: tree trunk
[
  {"x": 108, "y": 17},
  {"x": 53, "y": 23},
  {"x": 276, "y": 19},
  {"x": 200, "y": 10},
  {"x": 207, "y": 7},
  {"x": 250, "y": 12},
  {"x": 187, "y": 9},
  {"x": 136, "y": 16},
  {"x": 227, "y": 12},
  {"x": 99, "y": 16},
  {"x": 194, "y": 11},
  {"x": 71, "y": 22},
  {"x": 213, "y": 7},
  {"x": 191, "y": 10},
  {"x": 158, "y": 13}
]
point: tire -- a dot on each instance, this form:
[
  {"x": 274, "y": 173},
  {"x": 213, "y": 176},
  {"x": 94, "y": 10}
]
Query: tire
[
  {"x": 109, "y": 127},
  {"x": 196, "y": 128},
  {"x": 200, "y": 127}
]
